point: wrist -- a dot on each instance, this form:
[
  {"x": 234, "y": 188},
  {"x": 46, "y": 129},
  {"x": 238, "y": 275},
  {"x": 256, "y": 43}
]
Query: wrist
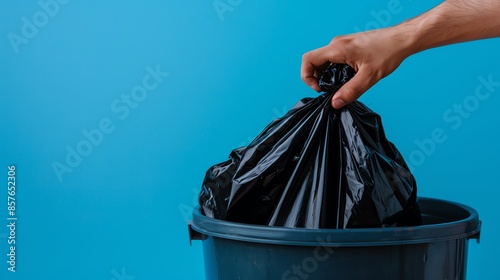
[
  {"x": 449, "y": 23},
  {"x": 405, "y": 40}
]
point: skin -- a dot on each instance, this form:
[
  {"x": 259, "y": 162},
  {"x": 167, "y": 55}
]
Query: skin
[{"x": 377, "y": 53}]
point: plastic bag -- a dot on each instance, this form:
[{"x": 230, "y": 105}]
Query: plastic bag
[{"x": 316, "y": 167}]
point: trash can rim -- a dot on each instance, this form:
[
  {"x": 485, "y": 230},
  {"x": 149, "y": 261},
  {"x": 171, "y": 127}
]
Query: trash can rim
[{"x": 466, "y": 227}]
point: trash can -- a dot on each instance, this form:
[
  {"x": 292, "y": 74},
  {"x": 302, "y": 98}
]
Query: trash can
[{"x": 435, "y": 250}]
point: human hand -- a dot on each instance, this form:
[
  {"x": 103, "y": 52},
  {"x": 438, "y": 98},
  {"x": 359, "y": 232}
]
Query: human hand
[
  {"x": 377, "y": 53},
  {"x": 373, "y": 54}
]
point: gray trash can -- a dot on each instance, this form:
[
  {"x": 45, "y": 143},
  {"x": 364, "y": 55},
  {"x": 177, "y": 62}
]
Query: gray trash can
[{"x": 435, "y": 250}]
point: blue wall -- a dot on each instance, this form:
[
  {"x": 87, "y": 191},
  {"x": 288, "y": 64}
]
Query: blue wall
[{"x": 112, "y": 112}]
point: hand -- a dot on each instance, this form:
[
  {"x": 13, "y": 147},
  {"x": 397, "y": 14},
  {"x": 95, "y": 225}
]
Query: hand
[
  {"x": 373, "y": 54},
  {"x": 377, "y": 53}
]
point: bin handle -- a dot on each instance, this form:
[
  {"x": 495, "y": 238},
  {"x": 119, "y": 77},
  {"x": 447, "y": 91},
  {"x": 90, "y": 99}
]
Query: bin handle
[
  {"x": 193, "y": 234},
  {"x": 476, "y": 235}
]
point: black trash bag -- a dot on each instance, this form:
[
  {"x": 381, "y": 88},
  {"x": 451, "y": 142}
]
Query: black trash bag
[{"x": 316, "y": 167}]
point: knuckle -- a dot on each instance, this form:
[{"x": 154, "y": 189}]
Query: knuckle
[
  {"x": 303, "y": 77},
  {"x": 306, "y": 56},
  {"x": 336, "y": 39},
  {"x": 340, "y": 40},
  {"x": 306, "y": 78}
]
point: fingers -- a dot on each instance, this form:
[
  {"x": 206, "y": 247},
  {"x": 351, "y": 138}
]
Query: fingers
[
  {"x": 313, "y": 61},
  {"x": 354, "y": 88},
  {"x": 310, "y": 63}
]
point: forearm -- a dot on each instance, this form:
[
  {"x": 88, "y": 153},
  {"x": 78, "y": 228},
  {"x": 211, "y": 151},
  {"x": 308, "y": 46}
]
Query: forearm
[
  {"x": 453, "y": 21},
  {"x": 377, "y": 53}
]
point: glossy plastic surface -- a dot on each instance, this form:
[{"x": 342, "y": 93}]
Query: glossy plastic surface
[
  {"x": 435, "y": 250},
  {"x": 316, "y": 167}
]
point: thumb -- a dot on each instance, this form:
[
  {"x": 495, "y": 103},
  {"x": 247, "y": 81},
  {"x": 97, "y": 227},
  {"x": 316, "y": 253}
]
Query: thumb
[{"x": 354, "y": 88}]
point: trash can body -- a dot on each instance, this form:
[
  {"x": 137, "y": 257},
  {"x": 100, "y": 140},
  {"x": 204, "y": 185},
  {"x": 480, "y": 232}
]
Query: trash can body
[{"x": 435, "y": 250}]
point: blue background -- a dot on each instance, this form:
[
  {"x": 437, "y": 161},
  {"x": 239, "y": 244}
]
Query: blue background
[{"x": 121, "y": 212}]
